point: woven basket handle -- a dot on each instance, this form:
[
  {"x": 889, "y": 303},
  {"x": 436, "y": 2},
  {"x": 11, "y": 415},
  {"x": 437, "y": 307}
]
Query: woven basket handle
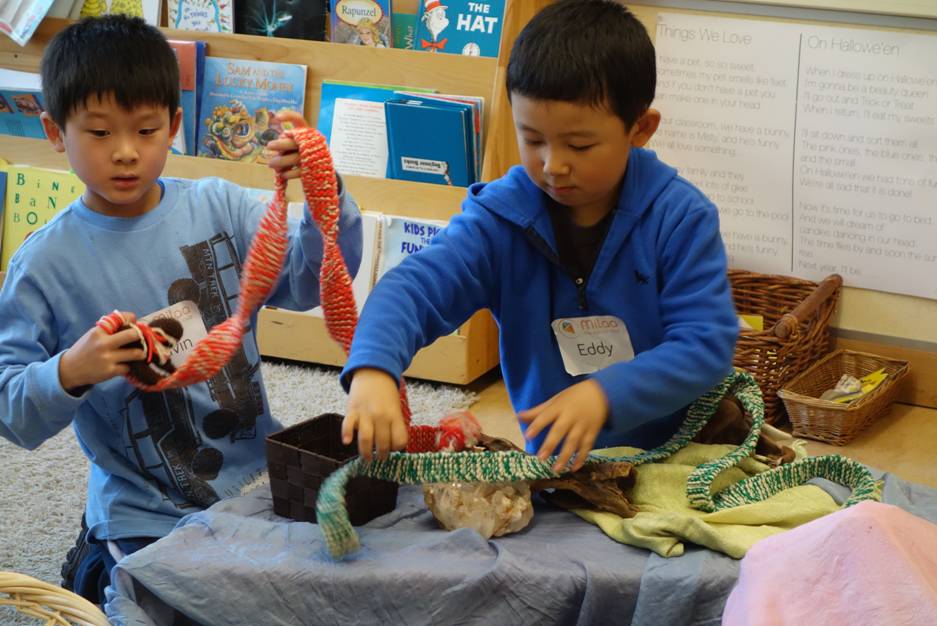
[{"x": 790, "y": 322}]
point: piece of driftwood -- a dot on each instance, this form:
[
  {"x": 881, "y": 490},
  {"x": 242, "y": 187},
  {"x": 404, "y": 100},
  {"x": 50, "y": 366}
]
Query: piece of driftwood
[
  {"x": 731, "y": 424},
  {"x": 600, "y": 486}
]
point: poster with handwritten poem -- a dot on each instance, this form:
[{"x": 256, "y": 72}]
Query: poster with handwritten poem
[{"x": 818, "y": 144}]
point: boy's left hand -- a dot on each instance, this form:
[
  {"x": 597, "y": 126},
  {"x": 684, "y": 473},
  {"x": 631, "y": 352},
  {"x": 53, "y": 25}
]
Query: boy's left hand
[
  {"x": 283, "y": 154},
  {"x": 575, "y": 416}
]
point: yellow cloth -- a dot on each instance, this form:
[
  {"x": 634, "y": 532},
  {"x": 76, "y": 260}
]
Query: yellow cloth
[{"x": 666, "y": 519}]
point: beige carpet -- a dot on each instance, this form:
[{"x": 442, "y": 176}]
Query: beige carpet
[{"x": 42, "y": 492}]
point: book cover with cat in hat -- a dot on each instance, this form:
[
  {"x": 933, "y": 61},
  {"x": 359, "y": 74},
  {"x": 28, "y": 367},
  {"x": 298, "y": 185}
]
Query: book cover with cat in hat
[{"x": 460, "y": 27}]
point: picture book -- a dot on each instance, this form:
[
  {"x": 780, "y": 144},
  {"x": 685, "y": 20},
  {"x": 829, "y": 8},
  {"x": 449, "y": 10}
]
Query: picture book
[
  {"x": 352, "y": 120},
  {"x": 430, "y": 141},
  {"x": 404, "y": 30},
  {"x": 33, "y": 197},
  {"x": 401, "y": 237},
  {"x": 472, "y": 28},
  {"x": 149, "y": 10},
  {"x": 18, "y": 20},
  {"x": 209, "y": 16},
  {"x": 20, "y": 104},
  {"x": 191, "y": 58},
  {"x": 292, "y": 19},
  {"x": 387, "y": 240},
  {"x": 361, "y": 22},
  {"x": 241, "y": 103}
]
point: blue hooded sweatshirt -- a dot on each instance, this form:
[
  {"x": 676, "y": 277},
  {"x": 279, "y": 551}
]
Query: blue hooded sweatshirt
[{"x": 661, "y": 269}]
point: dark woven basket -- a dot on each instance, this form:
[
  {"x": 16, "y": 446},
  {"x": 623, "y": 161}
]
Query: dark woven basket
[
  {"x": 834, "y": 423},
  {"x": 796, "y": 331},
  {"x": 301, "y": 457}
]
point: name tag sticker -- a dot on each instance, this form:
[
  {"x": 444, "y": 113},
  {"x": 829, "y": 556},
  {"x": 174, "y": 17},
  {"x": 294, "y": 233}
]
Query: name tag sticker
[
  {"x": 588, "y": 344},
  {"x": 193, "y": 328}
]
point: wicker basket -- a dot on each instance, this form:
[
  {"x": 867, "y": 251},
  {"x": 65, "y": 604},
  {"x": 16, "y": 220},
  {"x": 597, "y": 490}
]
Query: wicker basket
[
  {"x": 42, "y": 600},
  {"x": 301, "y": 457},
  {"x": 839, "y": 423},
  {"x": 796, "y": 332}
]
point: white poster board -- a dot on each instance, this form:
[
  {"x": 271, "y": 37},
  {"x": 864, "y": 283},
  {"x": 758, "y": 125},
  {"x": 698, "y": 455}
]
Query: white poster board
[{"x": 818, "y": 144}]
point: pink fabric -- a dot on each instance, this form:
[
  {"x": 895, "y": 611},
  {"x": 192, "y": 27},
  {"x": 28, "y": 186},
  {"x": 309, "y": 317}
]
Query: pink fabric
[{"x": 869, "y": 564}]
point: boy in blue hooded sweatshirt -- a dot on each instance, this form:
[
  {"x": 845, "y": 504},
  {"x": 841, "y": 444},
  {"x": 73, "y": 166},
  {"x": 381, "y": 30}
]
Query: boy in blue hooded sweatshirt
[
  {"x": 136, "y": 241},
  {"x": 605, "y": 270}
]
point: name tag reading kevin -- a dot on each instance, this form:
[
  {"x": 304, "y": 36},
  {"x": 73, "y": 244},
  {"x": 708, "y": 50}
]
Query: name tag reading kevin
[
  {"x": 193, "y": 328},
  {"x": 588, "y": 344}
]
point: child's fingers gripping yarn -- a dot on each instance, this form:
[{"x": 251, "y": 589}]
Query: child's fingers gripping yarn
[{"x": 261, "y": 270}]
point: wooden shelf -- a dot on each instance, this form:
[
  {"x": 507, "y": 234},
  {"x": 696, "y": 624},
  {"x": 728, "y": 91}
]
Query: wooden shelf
[
  {"x": 458, "y": 358},
  {"x": 398, "y": 197}
]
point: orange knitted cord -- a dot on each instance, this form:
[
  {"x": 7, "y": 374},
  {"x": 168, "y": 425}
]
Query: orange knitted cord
[{"x": 262, "y": 268}]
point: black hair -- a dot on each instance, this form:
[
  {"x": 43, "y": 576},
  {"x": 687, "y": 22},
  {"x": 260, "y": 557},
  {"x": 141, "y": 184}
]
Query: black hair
[
  {"x": 586, "y": 51},
  {"x": 113, "y": 55}
]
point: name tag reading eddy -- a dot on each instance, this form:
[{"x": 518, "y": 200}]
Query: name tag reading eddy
[{"x": 588, "y": 344}]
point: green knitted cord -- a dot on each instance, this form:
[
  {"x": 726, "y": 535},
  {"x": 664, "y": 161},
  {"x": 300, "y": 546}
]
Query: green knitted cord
[
  {"x": 416, "y": 469},
  {"x": 434, "y": 467}
]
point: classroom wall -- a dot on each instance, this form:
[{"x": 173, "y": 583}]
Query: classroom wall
[
  {"x": 893, "y": 318},
  {"x": 907, "y": 8}
]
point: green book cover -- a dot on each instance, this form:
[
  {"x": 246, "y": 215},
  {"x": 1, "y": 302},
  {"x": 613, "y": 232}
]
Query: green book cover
[
  {"x": 404, "y": 26},
  {"x": 34, "y": 195}
]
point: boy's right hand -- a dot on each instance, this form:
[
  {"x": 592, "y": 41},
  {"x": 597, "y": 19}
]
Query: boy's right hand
[
  {"x": 98, "y": 356},
  {"x": 374, "y": 411},
  {"x": 283, "y": 154}
]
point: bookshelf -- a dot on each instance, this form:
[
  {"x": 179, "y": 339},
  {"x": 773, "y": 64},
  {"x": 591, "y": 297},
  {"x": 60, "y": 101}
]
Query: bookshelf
[{"x": 458, "y": 358}]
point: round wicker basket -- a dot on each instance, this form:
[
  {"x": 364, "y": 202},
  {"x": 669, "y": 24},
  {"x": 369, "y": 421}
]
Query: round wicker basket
[{"x": 55, "y": 605}]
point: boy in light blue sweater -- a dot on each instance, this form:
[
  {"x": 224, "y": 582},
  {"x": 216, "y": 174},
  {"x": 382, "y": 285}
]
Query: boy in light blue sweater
[
  {"x": 147, "y": 246},
  {"x": 605, "y": 269}
]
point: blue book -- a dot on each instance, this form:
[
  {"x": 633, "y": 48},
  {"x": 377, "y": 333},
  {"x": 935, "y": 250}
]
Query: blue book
[
  {"x": 430, "y": 141},
  {"x": 201, "y": 48},
  {"x": 476, "y": 127},
  {"x": 242, "y": 102},
  {"x": 472, "y": 28},
  {"x": 191, "y": 58},
  {"x": 20, "y": 104}
]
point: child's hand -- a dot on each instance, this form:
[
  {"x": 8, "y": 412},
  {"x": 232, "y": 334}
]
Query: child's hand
[
  {"x": 283, "y": 154},
  {"x": 575, "y": 416},
  {"x": 98, "y": 356},
  {"x": 374, "y": 411}
]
